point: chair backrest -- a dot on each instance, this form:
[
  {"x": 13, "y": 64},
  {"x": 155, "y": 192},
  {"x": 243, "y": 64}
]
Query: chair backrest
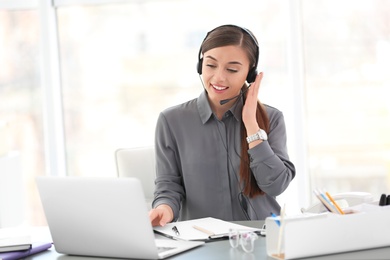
[{"x": 139, "y": 163}]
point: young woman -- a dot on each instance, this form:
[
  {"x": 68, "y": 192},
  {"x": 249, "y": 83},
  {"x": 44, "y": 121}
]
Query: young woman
[{"x": 224, "y": 153}]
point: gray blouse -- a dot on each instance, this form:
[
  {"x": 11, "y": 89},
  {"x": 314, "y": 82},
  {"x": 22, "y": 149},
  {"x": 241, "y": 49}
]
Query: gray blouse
[{"x": 198, "y": 161}]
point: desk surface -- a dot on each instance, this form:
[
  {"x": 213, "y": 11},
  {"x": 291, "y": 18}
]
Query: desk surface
[{"x": 222, "y": 250}]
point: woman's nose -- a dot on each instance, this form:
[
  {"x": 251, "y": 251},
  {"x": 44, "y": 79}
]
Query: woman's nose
[{"x": 220, "y": 74}]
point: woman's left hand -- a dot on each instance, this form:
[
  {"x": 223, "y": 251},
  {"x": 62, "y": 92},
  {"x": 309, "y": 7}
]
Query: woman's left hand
[{"x": 249, "y": 109}]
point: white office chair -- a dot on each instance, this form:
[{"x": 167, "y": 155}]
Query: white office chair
[{"x": 138, "y": 163}]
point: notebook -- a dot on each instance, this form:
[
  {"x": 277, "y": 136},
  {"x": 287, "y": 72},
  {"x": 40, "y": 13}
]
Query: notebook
[
  {"x": 104, "y": 217},
  {"x": 35, "y": 248}
]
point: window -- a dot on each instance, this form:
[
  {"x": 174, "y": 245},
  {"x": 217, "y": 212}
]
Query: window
[
  {"x": 123, "y": 63},
  {"x": 347, "y": 53},
  {"x": 21, "y": 124}
]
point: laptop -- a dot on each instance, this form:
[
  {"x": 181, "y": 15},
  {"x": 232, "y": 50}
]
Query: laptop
[{"x": 103, "y": 217}]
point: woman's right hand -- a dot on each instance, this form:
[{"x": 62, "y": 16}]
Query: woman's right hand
[{"x": 161, "y": 215}]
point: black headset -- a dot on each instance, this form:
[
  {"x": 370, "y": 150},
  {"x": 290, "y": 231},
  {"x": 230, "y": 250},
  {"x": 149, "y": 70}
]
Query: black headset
[{"x": 252, "y": 72}]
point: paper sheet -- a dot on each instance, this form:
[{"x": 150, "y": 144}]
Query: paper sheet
[{"x": 188, "y": 232}]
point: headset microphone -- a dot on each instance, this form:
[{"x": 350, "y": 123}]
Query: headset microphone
[{"x": 224, "y": 101}]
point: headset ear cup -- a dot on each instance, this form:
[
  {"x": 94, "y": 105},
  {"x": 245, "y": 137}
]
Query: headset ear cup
[
  {"x": 251, "y": 75},
  {"x": 199, "y": 66}
]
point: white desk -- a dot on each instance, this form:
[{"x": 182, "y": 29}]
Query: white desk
[{"x": 222, "y": 250}]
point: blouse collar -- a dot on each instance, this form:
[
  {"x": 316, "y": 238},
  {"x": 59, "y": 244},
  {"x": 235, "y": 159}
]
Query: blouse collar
[{"x": 206, "y": 112}]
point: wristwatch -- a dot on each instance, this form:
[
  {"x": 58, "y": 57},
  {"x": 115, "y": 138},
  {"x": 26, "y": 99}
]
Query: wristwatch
[{"x": 260, "y": 135}]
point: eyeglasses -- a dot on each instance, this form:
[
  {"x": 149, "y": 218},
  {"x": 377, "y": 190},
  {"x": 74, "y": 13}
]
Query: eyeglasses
[{"x": 244, "y": 238}]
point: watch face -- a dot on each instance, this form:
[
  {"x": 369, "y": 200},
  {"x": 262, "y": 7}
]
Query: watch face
[
  {"x": 260, "y": 135},
  {"x": 263, "y": 135}
]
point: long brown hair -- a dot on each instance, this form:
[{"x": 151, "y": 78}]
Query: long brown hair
[
  {"x": 234, "y": 35},
  {"x": 251, "y": 189}
]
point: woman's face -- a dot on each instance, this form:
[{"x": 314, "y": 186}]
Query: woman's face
[{"x": 224, "y": 71}]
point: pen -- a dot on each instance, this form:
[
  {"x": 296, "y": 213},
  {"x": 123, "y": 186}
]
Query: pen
[
  {"x": 281, "y": 230},
  {"x": 208, "y": 232},
  {"x": 324, "y": 201},
  {"x": 176, "y": 231},
  {"x": 334, "y": 203},
  {"x": 331, "y": 206},
  {"x": 276, "y": 221}
]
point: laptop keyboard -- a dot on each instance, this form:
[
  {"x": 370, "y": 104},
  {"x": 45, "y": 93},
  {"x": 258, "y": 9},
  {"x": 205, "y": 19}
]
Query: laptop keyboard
[{"x": 163, "y": 249}]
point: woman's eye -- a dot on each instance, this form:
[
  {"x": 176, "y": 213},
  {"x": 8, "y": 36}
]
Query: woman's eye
[
  {"x": 232, "y": 70},
  {"x": 211, "y": 65}
]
